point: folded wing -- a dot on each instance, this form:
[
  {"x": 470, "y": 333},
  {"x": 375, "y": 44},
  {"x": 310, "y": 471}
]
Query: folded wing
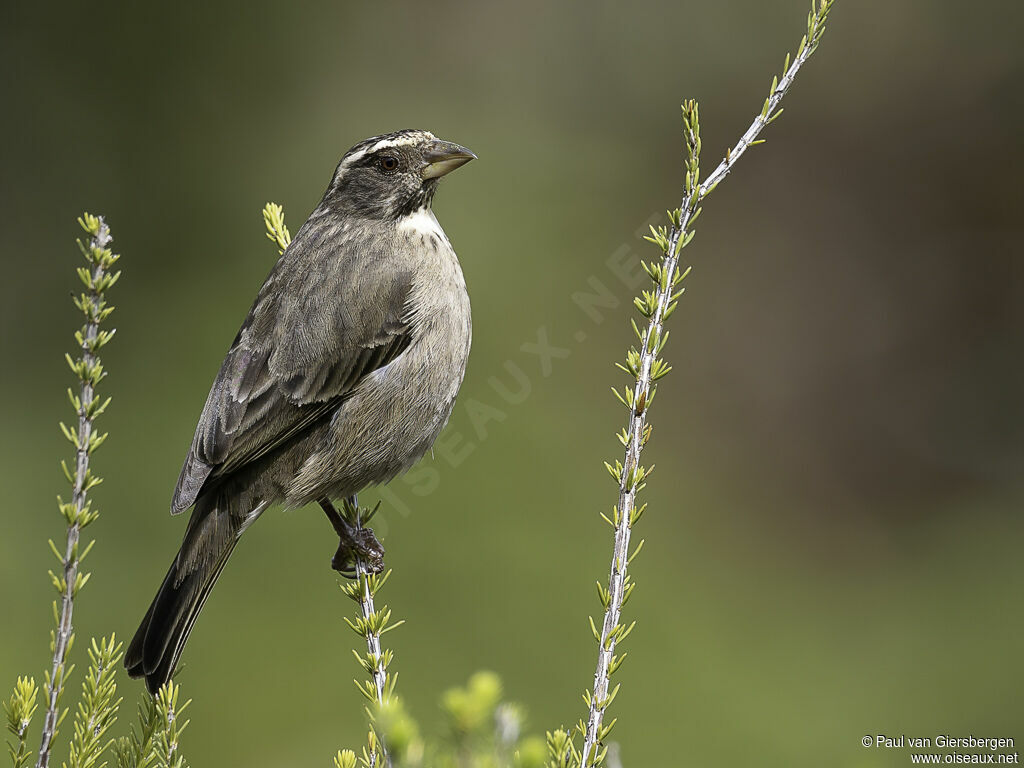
[{"x": 317, "y": 328}]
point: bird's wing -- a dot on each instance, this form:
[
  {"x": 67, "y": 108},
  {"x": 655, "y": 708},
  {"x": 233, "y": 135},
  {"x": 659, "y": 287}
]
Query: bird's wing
[{"x": 326, "y": 317}]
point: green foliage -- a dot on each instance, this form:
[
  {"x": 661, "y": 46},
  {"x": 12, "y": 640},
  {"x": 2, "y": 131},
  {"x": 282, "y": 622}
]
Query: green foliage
[
  {"x": 482, "y": 732},
  {"x": 97, "y": 711},
  {"x": 277, "y": 230},
  {"x": 156, "y": 742},
  {"x": 170, "y": 726},
  {"x": 469, "y": 708},
  {"x": 20, "y": 708},
  {"x": 376, "y": 621},
  {"x": 399, "y": 731},
  {"x": 136, "y": 749},
  {"x": 97, "y": 278},
  {"x": 562, "y": 752}
]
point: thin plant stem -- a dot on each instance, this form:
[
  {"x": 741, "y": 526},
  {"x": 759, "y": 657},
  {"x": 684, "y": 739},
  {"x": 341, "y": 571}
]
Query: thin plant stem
[
  {"x": 646, "y": 366},
  {"x": 78, "y": 513},
  {"x": 378, "y": 673},
  {"x": 371, "y": 623}
]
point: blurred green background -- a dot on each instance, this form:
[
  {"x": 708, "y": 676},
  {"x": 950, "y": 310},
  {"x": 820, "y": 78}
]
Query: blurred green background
[{"x": 834, "y": 531}]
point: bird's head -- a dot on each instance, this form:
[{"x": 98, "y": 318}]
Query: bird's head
[{"x": 390, "y": 176}]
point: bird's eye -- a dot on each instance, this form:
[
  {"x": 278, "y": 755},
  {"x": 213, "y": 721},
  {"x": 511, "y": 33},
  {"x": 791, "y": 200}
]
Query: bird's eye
[{"x": 388, "y": 163}]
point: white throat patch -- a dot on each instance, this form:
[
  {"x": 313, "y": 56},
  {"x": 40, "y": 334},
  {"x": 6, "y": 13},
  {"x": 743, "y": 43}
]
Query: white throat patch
[{"x": 422, "y": 221}]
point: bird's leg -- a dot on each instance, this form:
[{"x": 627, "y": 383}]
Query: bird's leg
[{"x": 354, "y": 543}]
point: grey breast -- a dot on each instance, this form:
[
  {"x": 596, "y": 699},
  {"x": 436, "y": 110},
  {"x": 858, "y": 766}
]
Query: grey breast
[{"x": 395, "y": 414}]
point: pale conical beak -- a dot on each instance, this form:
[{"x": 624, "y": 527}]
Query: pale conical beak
[{"x": 444, "y": 157}]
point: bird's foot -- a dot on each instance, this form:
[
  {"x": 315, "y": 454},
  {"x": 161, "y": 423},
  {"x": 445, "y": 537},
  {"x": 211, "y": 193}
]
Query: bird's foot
[{"x": 358, "y": 544}]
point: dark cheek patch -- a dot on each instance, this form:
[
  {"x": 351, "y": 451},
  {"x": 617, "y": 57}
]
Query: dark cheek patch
[{"x": 368, "y": 192}]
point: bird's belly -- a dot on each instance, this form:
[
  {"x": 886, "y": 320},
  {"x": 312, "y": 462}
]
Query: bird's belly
[{"x": 389, "y": 422}]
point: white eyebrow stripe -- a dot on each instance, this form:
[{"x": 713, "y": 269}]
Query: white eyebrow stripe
[
  {"x": 383, "y": 143},
  {"x": 357, "y": 156},
  {"x": 402, "y": 141}
]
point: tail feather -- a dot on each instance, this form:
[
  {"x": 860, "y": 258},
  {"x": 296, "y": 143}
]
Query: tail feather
[{"x": 160, "y": 639}]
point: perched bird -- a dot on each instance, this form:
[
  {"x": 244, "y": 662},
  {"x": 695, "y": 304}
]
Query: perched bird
[{"x": 342, "y": 375}]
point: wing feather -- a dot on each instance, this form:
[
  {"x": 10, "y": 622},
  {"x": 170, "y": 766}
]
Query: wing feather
[{"x": 325, "y": 318}]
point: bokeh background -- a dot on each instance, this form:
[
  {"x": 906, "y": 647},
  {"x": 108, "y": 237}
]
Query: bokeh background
[{"x": 834, "y": 530}]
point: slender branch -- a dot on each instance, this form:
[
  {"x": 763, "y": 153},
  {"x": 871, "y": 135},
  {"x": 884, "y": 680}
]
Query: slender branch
[
  {"x": 780, "y": 86},
  {"x": 378, "y": 670},
  {"x": 379, "y": 673},
  {"x": 78, "y": 513},
  {"x": 646, "y": 366},
  {"x": 371, "y": 624}
]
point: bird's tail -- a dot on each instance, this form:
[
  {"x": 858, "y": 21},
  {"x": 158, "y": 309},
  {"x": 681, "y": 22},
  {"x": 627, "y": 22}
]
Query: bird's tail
[{"x": 211, "y": 536}]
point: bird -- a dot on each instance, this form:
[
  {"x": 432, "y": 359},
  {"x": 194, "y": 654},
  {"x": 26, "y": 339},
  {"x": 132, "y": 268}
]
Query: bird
[{"x": 342, "y": 375}]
